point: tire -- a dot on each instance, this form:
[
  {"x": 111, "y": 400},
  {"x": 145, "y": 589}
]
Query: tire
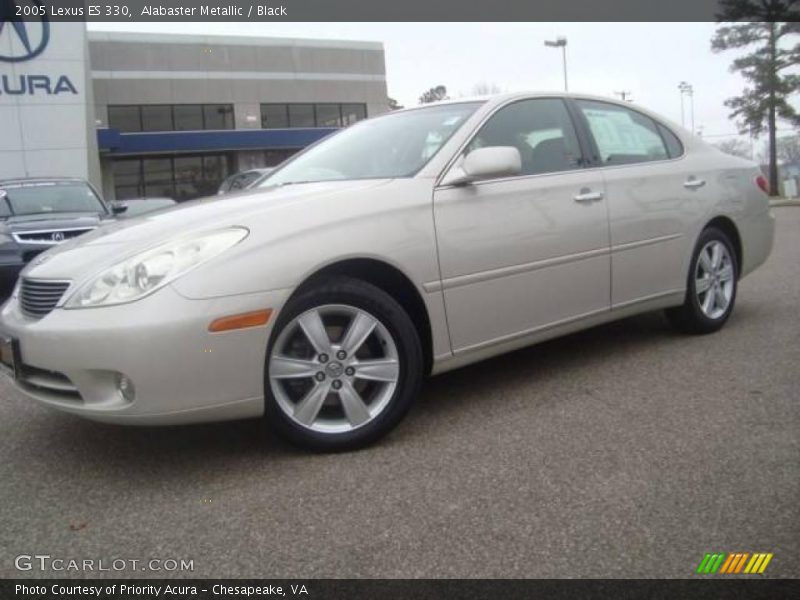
[
  {"x": 701, "y": 313},
  {"x": 384, "y": 369}
]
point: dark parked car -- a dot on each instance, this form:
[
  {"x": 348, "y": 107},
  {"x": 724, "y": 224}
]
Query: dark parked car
[
  {"x": 243, "y": 180},
  {"x": 140, "y": 206},
  {"x": 38, "y": 213}
]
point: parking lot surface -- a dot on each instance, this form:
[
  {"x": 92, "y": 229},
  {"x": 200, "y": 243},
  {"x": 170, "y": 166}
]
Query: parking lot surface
[{"x": 624, "y": 451}]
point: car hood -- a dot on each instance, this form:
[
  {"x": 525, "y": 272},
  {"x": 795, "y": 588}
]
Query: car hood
[
  {"x": 45, "y": 222},
  {"x": 111, "y": 243}
]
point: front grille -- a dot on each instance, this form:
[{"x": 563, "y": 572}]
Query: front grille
[
  {"x": 37, "y": 297},
  {"x": 49, "y": 236}
]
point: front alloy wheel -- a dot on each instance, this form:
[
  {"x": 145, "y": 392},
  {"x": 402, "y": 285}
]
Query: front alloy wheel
[{"x": 343, "y": 367}]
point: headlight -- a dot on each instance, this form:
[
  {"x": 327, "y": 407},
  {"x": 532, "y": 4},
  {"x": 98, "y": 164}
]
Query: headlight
[{"x": 144, "y": 273}]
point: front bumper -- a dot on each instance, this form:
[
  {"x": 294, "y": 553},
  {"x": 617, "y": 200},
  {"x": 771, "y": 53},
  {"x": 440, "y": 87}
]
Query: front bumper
[{"x": 72, "y": 359}]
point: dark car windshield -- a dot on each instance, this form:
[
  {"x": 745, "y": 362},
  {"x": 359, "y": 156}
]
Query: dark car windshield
[
  {"x": 394, "y": 145},
  {"x": 49, "y": 197}
]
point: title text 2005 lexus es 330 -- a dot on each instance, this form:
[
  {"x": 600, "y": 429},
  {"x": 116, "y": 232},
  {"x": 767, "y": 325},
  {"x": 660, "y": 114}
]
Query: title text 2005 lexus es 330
[{"x": 405, "y": 245}]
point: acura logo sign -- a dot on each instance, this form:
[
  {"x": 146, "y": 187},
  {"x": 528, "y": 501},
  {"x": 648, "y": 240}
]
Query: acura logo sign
[
  {"x": 28, "y": 38},
  {"x": 57, "y": 236}
]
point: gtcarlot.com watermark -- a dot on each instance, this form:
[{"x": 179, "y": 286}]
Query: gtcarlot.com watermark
[{"x": 57, "y": 564}]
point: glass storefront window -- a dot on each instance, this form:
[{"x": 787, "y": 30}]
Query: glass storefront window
[
  {"x": 125, "y": 118},
  {"x": 157, "y": 117},
  {"x": 180, "y": 178},
  {"x": 217, "y": 116},
  {"x": 188, "y": 117},
  {"x": 301, "y": 115},
  {"x": 329, "y": 115},
  {"x": 158, "y": 180},
  {"x": 274, "y": 116},
  {"x": 279, "y": 116},
  {"x": 352, "y": 113}
]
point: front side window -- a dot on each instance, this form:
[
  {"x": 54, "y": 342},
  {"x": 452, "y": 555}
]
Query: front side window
[
  {"x": 622, "y": 136},
  {"x": 395, "y": 145},
  {"x": 542, "y": 131}
]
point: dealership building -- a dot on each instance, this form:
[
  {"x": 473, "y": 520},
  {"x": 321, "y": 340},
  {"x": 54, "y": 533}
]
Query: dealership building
[{"x": 155, "y": 115}]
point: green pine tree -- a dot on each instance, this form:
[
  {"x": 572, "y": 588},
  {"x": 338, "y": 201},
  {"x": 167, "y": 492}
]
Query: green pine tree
[{"x": 768, "y": 30}]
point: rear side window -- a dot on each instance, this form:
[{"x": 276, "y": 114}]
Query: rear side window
[
  {"x": 623, "y": 136},
  {"x": 542, "y": 131}
]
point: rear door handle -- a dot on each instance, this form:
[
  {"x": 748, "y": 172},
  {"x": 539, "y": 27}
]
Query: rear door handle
[
  {"x": 693, "y": 184},
  {"x": 586, "y": 195}
]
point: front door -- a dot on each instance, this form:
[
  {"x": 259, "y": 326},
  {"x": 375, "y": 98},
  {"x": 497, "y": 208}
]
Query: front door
[{"x": 522, "y": 254}]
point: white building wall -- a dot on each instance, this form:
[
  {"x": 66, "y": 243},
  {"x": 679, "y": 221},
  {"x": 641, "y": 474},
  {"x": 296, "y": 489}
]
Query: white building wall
[{"x": 47, "y": 129}]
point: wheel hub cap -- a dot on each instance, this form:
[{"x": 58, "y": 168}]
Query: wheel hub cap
[
  {"x": 334, "y": 368},
  {"x": 714, "y": 279}
]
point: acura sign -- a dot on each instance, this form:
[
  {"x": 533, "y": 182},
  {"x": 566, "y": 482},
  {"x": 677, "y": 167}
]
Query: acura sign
[
  {"x": 29, "y": 39},
  {"x": 32, "y": 35},
  {"x": 45, "y": 95}
]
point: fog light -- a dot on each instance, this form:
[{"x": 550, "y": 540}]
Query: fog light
[{"x": 125, "y": 387}]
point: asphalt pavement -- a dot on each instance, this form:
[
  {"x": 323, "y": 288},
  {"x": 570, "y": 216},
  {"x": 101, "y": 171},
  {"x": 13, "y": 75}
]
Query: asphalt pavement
[{"x": 624, "y": 451}]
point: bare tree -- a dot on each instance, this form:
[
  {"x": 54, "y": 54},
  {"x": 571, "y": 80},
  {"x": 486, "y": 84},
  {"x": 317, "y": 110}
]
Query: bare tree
[
  {"x": 393, "y": 104},
  {"x": 486, "y": 89},
  {"x": 789, "y": 150},
  {"x": 434, "y": 94},
  {"x": 736, "y": 147}
]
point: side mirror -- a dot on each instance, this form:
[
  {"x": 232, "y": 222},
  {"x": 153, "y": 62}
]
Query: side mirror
[
  {"x": 118, "y": 208},
  {"x": 485, "y": 163}
]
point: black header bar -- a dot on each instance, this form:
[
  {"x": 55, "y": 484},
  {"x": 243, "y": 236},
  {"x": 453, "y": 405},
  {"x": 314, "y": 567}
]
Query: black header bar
[{"x": 144, "y": 11}]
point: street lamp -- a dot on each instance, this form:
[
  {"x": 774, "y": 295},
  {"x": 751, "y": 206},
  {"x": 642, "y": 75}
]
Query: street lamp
[
  {"x": 686, "y": 88},
  {"x": 560, "y": 42},
  {"x": 624, "y": 95}
]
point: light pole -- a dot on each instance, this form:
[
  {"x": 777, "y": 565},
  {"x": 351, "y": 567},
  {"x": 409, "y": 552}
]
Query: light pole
[
  {"x": 686, "y": 88},
  {"x": 624, "y": 95},
  {"x": 560, "y": 42}
]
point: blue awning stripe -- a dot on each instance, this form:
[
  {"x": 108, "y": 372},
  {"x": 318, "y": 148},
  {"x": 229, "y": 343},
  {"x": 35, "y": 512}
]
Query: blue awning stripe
[{"x": 112, "y": 141}]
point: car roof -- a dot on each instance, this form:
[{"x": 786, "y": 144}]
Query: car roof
[{"x": 497, "y": 99}]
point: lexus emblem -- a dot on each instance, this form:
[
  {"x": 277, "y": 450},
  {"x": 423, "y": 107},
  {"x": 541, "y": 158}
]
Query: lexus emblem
[
  {"x": 29, "y": 37},
  {"x": 58, "y": 236}
]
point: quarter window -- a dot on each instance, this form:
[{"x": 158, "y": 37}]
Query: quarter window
[
  {"x": 623, "y": 136},
  {"x": 674, "y": 146},
  {"x": 542, "y": 131}
]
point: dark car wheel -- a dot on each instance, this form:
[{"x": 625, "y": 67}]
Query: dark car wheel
[
  {"x": 344, "y": 365},
  {"x": 711, "y": 288}
]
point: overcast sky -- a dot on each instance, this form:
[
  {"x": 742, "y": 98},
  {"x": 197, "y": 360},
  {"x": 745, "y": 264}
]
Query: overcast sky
[{"x": 647, "y": 59}]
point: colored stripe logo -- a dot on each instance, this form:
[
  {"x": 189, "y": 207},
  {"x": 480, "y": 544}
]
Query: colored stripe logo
[{"x": 732, "y": 563}]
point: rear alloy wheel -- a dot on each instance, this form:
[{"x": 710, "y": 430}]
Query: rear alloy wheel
[
  {"x": 711, "y": 289},
  {"x": 343, "y": 368}
]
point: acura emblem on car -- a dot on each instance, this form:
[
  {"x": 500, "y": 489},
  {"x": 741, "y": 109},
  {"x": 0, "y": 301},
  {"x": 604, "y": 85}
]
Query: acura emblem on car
[
  {"x": 58, "y": 236},
  {"x": 31, "y": 42}
]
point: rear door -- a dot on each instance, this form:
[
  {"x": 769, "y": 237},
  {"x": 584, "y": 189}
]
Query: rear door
[{"x": 653, "y": 196}]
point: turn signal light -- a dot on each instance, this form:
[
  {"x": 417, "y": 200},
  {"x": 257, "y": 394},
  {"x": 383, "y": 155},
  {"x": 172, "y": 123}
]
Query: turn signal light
[
  {"x": 761, "y": 182},
  {"x": 251, "y": 319}
]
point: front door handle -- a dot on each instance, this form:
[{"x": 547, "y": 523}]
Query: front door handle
[
  {"x": 586, "y": 195},
  {"x": 693, "y": 184}
]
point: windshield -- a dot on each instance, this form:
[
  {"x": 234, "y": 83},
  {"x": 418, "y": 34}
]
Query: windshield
[
  {"x": 394, "y": 145},
  {"x": 49, "y": 197}
]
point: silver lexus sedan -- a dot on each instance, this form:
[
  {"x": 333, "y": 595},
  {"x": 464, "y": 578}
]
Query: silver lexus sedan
[{"x": 403, "y": 246}]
